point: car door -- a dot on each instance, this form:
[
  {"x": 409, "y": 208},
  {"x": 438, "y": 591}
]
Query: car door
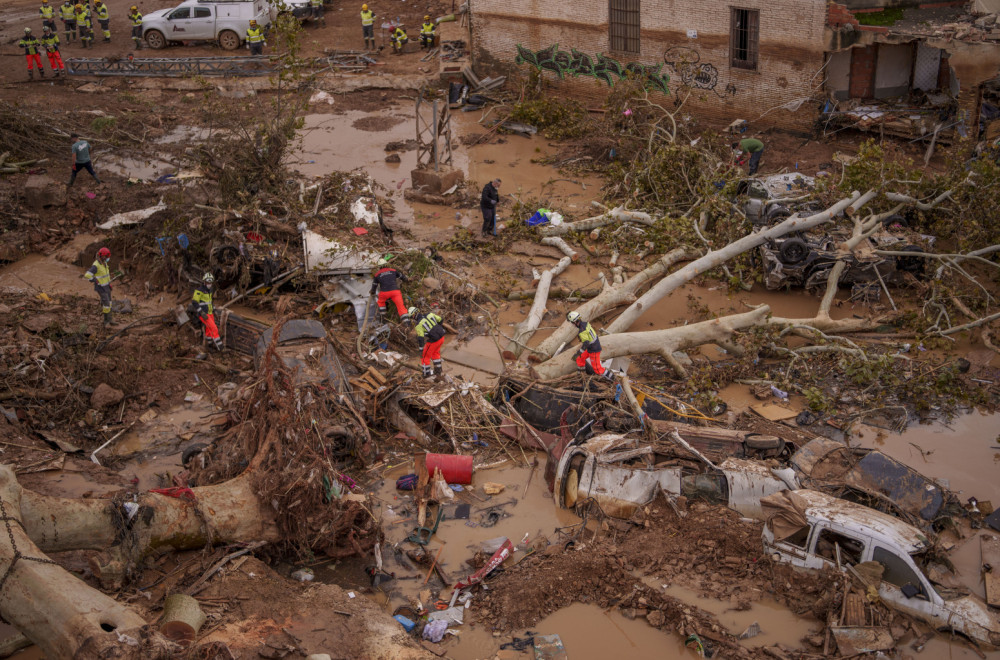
[
  {"x": 203, "y": 23},
  {"x": 899, "y": 571},
  {"x": 180, "y": 25}
]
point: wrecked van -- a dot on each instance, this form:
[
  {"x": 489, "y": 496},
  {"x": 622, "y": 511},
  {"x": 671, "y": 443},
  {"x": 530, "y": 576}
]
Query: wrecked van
[{"x": 812, "y": 530}]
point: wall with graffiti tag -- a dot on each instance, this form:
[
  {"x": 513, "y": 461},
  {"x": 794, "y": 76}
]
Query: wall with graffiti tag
[{"x": 606, "y": 69}]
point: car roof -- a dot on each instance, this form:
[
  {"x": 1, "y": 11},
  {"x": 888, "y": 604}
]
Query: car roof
[{"x": 851, "y": 516}]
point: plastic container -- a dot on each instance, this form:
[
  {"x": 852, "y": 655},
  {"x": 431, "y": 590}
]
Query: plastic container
[
  {"x": 407, "y": 624},
  {"x": 457, "y": 469}
]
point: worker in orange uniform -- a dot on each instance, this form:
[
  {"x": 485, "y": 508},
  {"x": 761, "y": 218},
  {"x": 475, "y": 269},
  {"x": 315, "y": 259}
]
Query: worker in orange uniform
[
  {"x": 386, "y": 280},
  {"x": 31, "y": 49},
  {"x": 50, "y": 42},
  {"x": 100, "y": 274},
  {"x": 430, "y": 335},
  {"x": 590, "y": 344},
  {"x": 202, "y": 302}
]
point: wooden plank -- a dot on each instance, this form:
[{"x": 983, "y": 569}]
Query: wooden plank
[
  {"x": 989, "y": 549},
  {"x": 773, "y": 412},
  {"x": 374, "y": 373}
]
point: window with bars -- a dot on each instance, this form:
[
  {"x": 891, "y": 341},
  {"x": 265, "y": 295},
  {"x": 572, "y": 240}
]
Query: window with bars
[
  {"x": 623, "y": 17},
  {"x": 744, "y": 38}
]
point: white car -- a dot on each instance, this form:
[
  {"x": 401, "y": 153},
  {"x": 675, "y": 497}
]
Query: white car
[
  {"x": 812, "y": 530},
  {"x": 223, "y": 21}
]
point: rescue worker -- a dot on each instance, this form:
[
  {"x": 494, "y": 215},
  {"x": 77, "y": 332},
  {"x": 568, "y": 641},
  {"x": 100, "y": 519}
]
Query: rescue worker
[
  {"x": 83, "y": 26},
  {"x": 68, "y": 14},
  {"x": 316, "y": 7},
  {"x": 31, "y": 53},
  {"x": 202, "y": 301},
  {"x": 100, "y": 275},
  {"x": 368, "y": 27},
  {"x": 50, "y": 42},
  {"x": 430, "y": 335},
  {"x": 488, "y": 205},
  {"x": 398, "y": 38},
  {"x": 427, "y": 33},
  {"x": 135, "y": 17},
  {"x": 81, "y": 159},
  {"x": 590, "y": 345},
  {"x": 104, "y": 18},
  {"x": 386, "y": 280},
  {"x": 48, "y": 15},
  {"x": 255, "y": 39},
  {"x": 752, "y": 147}
]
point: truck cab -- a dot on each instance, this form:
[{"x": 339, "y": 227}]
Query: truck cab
[{"x": 223, "y": 21}]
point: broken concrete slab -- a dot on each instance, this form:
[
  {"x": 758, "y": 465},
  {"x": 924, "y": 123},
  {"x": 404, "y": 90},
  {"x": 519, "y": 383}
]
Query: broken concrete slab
[
  {"x": 42, "y": 191},
  {"x": 131, "y": 217},
  {"x": 434, "y": 183}
]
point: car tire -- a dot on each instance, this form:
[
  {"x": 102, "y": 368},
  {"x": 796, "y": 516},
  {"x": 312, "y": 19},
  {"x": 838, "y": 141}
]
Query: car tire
[
  {"x": 764, "y": 442},
  {"x": 229, "y": 40},
  {"x": 896, "y": 219},
  {"x": 793, "y": 251},
  {"x": 156, "y": 40},
  {"x": 777, "y": 213},
  {"x": 191, "y": 452}
]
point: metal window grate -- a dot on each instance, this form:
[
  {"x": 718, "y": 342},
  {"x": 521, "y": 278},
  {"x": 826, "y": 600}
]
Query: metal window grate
[
  {"x": 623, "y": 17},
  {"x": 744, "y": 38}
]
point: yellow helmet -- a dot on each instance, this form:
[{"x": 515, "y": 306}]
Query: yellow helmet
[
  {"x": 45, "y": 2},
  {"x": 133, "y": 8},
  {"x": 364, "y": 7},
  {"x": 253, "y": 22},
  {"x": 79, "y": 7},
  {"x": 427, "y": 18}
]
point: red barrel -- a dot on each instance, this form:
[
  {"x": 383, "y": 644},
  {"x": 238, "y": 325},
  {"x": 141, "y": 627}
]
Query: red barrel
[{"x": 457, "y": 469}]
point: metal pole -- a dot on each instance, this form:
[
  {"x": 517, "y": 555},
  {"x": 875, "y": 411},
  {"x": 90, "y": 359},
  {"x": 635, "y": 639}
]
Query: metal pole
[{"x": 435, "y": 134}]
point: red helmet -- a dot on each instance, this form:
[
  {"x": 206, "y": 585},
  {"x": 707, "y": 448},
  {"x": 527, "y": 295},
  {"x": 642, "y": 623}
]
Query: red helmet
[{"x": 104, "y": 253}]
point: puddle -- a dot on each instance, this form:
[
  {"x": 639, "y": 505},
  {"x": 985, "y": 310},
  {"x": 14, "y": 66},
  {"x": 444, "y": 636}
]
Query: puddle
[
  {"x": 185, "y": 133},
  {"x": 477, "y": 359},
  {"x": 37, "y": 273}
]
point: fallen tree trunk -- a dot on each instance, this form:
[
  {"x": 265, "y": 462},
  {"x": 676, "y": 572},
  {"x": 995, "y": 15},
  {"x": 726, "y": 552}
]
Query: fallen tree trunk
[
  {"x": 660, "y": 342},
  {"x": 612, "y": 297},
  {"x": 617, "y": 214},
  {"x": 53, "y": 608},
  {"x": 229, "y": 512},
  {"x": 526, "y": 328}
]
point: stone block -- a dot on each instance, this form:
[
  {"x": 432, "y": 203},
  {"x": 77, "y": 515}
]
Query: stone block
[
  {"x": 430, "y": 182},
  {"x": 42, "y": 191}
]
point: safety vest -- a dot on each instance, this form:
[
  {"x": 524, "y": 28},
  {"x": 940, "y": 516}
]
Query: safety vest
[
  {"x": 430, "y": 326},
  {"x": 367, "y": 18},
  {"x": 588, "y": 335},
  {"x": 83, "y": 18},
  {"x": 427, "y": 28},
  {"x": 316, "y": 3},
  {"x": 255, "y": 35},
  {"x": 101, "y": 273},
  {"x": 30, "y": 45},
  {"x": 46, "y": 12},
  {"x": 67, "y": 12},
  {"x": 399, "y": 35},
  {"x": 136, "y": 19},
  {"x": 50, "y": 42},
  {"x": 102, "y": 12},
  {"x": 203, "y": 298}
]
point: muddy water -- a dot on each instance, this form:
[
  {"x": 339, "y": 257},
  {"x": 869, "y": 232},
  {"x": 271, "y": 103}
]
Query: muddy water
[
  {"x": 477, "y": 359},
  {"x": 36, "y": 273}
]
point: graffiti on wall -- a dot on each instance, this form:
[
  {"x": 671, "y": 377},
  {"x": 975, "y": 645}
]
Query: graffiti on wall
[
  {"x": 574, "y": 63},
  {"x": 686, "y": 63}
]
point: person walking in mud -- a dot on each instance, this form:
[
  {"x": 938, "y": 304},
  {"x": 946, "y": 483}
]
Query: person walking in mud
[
  {"x": 81, "y": 159},
  {"x": 368, "y": 27},
  {"x": 135, "y": 18},
  {"x": 488, "y": 205},
  {"x": 316, "y": 12},
  {"x": 751, "y": 147},
  {"x": 590, "y": 346},
  {"x": 430, "y": 335},
  {"x": 201, "y": 300},
  {"x": 386, "y": 281},
  {"x": 100, "y": 274}
]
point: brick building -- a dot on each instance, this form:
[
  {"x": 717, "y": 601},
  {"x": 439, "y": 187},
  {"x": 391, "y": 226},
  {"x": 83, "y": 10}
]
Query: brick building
[{"x": 729, "y": 61}]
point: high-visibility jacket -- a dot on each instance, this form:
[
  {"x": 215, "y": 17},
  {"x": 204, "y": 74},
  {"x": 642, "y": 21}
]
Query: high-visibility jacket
[
  {"x": 67, "y": 12},
  {"x": 99, "y": 273},
  {"x": 136, "y": 19},
  {"x": 400, "y": 36},
  {"x": 102, "y": 12},
  {"x": 51, "y": 43},
  {"x": 83, "y": 18},
  {"x": 428, "y": 28},
  {"x": 588, "y": 338},
  {"x": 429, "y": 328},
  {"x": 46, "y": 12},
  {"x": 316, "y": 3},
  {"x": 255, "y": 35},
  {"x": 368, "y": 18},
  {"x": 203, "y": 296},
  {"x": 30, "y": 45}
]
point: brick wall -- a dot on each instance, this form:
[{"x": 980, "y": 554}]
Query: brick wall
[
  {"x": 791, "y": 52},
  {"x": 862, "y": 72}
]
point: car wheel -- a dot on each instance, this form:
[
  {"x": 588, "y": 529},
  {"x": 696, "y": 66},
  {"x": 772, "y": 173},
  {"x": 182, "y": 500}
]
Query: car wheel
[
  {"x": 156, "y": 40},
  {"x": 793, "y": 251},
  {"x": 895, "y": 219},
  {"x": 913, "y": 265},
  {"x": 191, "y": 452},
  {"x": 229, "y": 40},
  {"x": 777, "y": 213},
  {"x": 718, "y": 408}
]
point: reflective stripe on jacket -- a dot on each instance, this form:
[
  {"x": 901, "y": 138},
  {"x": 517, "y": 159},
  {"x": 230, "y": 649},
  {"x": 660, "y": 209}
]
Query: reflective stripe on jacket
[
  {"x": 427, "y": 28},
  {"x": 99, "y": 273},
  {"x": 51, "y": 43},
  {"x": 102, "y": 12},
  {"x": 255, "y": 35},
  {"x": 429, "y": 327},
  {"x": 68, "y": 12},
  {"x": 588, "y": 337},
  {"x": 203, "y": 296},
  {"x": 367, "y": 18},
  {"x": 46, "y": 12},
  {"x": 30, "y": 45},
  {"x": 136, "y": 19},
  {"x": 83, "y": 18}
]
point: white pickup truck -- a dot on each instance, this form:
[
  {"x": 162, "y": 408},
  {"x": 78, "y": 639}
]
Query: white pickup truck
[{"x": 224, "y": 21}]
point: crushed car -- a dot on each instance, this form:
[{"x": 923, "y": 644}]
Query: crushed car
[
  {"x": 768, "y": 200},
  {"x": 812, "y": 530}
]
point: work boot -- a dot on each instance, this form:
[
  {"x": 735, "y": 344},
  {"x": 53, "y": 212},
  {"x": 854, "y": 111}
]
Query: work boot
[
  {"x": 107, "y": 320},
  {"x": 31, "y": 74},
  {"x": 41, "y": 73}
]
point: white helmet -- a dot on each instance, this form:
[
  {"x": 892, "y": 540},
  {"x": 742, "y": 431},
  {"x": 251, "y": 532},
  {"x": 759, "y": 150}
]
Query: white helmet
[
  {"x": 208, "y": 277},
  {"x": 573, "y": 317},
  {"x": 412, "y": 311},
  {"x": 382, "y": 261}
]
